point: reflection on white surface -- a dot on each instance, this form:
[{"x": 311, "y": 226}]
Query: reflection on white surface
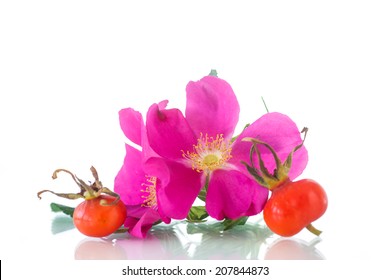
[
  {"x": 99, "y": 249},
  {"x": 61, "y": 223},
  {"x": 183, "y": 241},
  {"x": 293, "y": 249}
]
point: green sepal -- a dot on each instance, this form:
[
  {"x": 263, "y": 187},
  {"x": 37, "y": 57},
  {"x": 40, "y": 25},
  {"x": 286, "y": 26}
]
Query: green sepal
[
  {"x": 254, "y": 172},
  {"x": 202, "y": 194},
  {"x": 197, "y": 214},
  {"x": 55, "y": 207},
  {"x": 229, "y": 224},
  {"x": 203, "y": 191},
  {"x": 282, "y": 169},
  {"x": 235, "y": 137}
]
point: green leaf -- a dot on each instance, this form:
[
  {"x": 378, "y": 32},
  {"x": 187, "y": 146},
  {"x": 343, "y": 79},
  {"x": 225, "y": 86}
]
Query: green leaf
[
  {"x": 229, "y": 224},
  {"x": 55, "y": 207},
  {"x": 213, "y": 72},
  {"x": 197, "y": 214}
]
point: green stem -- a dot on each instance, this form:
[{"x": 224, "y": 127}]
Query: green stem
[
  {"x": 313, "y": 230},
  {"x": 265, "y": 105}
]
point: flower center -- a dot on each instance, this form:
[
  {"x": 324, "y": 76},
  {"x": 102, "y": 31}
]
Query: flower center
[
  {"x": 150, "y": 199},
  {"x": 209, "y": 153}
]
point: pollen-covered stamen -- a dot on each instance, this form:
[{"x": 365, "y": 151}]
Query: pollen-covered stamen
[
  {"x": 209, "y": 153},
  {"x": 150, "y": 191}
]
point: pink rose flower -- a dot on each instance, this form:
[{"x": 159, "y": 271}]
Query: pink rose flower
[
  {"x": 137, "y": 188},
  {"x": 197, "y": 150}
]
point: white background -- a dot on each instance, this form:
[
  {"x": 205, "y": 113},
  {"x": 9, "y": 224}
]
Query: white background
[{"x": 68, "y": 67}]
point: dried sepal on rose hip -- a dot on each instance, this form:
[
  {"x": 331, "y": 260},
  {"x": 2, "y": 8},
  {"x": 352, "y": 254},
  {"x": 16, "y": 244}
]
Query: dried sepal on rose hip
[
  {"x": 293, "y": 205},
  {"x": 101, "y": 213}
]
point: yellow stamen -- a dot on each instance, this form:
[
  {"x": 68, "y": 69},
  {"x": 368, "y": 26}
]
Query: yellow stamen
[
  {"x": 209, "y": 154},
  {"x": 150, "y": 189}
]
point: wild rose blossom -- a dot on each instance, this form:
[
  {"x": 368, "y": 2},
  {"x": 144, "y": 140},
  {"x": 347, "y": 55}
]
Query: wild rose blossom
[
  {"x": 142, "y": 176},
  {"x": 197, "y": 150},
  {"x": 181, "y": 154},
  {"x": 138, "y": 191},
  {"x": 137, "y": 188}
]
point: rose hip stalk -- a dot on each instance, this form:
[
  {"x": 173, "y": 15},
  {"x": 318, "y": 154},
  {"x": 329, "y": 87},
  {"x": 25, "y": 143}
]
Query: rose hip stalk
[{"x": 292, "y": 205}]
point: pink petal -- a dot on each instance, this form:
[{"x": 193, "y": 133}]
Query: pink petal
[
  {"x": 131, "y": 123},
  {"x": 212, "y": 107},
  {"x": 231, "y": 195},
  {"x": 133, "y": 127},
  {"x": 147, "y": 151},
  {"x": 179, "y": 186},
  {"x": 136, "y": 211},
  {"x": 168, "y": 132},
  {"x": 128, "y": 182},
  {"x": 139, "y": 228},
  {"x": 281, "y": 133},
  {"x": 259, "y": 199}
]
